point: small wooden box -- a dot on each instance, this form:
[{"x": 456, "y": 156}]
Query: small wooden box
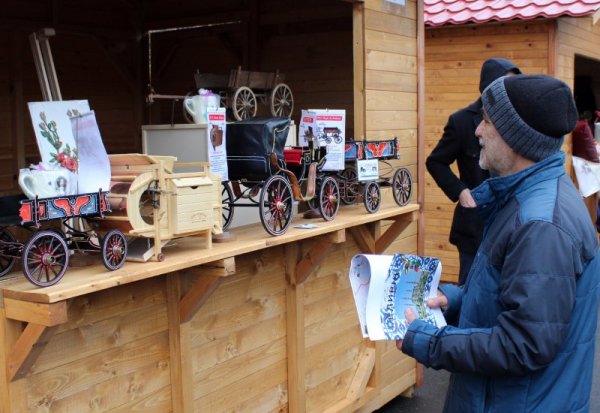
[{"x": 192, "y": 203}]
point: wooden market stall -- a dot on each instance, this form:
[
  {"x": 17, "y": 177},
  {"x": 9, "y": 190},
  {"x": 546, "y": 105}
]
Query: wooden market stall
[
  {"x": 554, "y": 39},
  {"x": 260, "y": 324}
]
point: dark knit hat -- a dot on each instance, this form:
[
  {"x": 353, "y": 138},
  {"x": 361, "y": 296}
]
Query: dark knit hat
[
  {"x": 532, "y": 113},
  {"x": 494, "y": 68}
]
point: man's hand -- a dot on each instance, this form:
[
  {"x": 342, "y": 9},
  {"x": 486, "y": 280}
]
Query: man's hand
[
  {"x": 410, "y": 316},
  {"x": 441, "y": 301},
  {"x": 466, "y": 199}
]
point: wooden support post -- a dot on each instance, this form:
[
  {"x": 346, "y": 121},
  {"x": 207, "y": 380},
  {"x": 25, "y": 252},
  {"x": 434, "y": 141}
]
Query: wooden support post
[
  {"x": 296, "y": 346},
  {"x": 179, "y": 347}
]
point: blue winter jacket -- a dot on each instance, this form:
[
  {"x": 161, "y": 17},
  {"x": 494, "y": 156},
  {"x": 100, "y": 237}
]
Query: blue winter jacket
[{"x": 527, "y": 315}]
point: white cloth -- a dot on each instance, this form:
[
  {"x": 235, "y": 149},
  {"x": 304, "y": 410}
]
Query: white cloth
[{"x": 588, "y": 176}]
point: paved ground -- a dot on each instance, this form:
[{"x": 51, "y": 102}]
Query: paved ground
[{"x": 429, "y": 398}]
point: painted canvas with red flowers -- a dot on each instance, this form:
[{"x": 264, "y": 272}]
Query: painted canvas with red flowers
[{"x": 52, "y": 126}]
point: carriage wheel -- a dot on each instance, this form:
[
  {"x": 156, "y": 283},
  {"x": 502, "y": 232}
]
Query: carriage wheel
[
  {"x": 244, "y": 103},
  {"x": 282, "y": 101},
  {"x": 402, "y": 186},
  {"x": 6, "y": 262},
  {"x": 227, "y": 205},
  {"x": 114, "y": 250},
  {"x": 45, "y": 258},
  {"x": 276, "y": 205},
  {"x": 350, "y": 184},
  {"x": 329, "y": 198},
  {"x": 372, "y": 197}
]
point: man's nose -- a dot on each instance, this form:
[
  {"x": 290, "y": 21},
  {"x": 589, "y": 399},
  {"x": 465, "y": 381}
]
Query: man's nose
[{"x": 478, "y": 130}]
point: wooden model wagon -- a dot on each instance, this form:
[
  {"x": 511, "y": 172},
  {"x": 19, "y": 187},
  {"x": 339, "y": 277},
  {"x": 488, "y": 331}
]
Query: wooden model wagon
[
  {"x": 45, "y": 256},
  {"x": 155, "y": 205},
  {"x": 352, "y": 188},
  {"x": 242, "y": 89}
]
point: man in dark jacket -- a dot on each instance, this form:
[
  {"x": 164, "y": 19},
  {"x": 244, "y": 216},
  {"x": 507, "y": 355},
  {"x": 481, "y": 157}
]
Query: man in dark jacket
[
  {"x": 459, "y": 143},
  {"x": 528, "y": 311}
]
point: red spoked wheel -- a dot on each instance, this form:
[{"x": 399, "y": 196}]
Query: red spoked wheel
[
  {"x": 329, "y": 198},
  {"x": 372, "y": 197},
  {"x": 402, "y": 186},
  {"x": 45, "y": 258},
  {"x": 226, "y": 205},
  {"x": 114, "y": 250},
  {"x": 276, "y": 205},
  {"x": 7, "y": 242}
]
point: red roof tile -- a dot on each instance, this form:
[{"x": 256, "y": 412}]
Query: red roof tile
[{"x": 441, "y": 12}]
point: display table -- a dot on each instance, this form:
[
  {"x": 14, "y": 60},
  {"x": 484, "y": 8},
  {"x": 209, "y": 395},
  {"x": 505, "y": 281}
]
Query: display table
[{"x": 260, "y": 324}]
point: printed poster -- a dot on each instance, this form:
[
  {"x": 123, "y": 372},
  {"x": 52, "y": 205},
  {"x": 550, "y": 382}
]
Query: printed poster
[
  {"x": 217, "y": 152},
  {"x": 385, "y": 285},
  {"x": 330, "y": 130},
  {"x": 307, "y": 129}
]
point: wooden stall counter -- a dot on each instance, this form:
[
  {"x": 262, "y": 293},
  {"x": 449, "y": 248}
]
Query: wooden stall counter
[{"x": 260, "y": 324}]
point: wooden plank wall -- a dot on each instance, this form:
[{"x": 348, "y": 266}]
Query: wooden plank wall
[
  {"x": 389, "y": 100},
  {"x": 388, "y": 75},
  {"x": 577, "y": 37},
  {"x": 112, "y": 355},
  {"x": 453, "y": 59}
]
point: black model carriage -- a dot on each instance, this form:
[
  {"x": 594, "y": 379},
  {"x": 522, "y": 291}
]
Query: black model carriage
[
  {"x": 265, "y": 175},
  {"x": 353, "y": 186},
  {"x": 45, "y": 256}
]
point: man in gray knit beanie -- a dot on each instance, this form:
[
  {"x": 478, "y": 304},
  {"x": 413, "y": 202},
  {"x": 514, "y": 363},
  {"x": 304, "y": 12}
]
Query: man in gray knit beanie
[
  {"x": 526, "y": 317},
  {"x": 531, "y": 113}
]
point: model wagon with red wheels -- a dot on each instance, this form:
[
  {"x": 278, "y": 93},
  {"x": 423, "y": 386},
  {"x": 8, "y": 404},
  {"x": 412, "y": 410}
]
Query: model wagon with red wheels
[
  {"x": 45, "y": 256},
  {"x": 263, "y": 174},
  {"x": 356, "y": 182}
]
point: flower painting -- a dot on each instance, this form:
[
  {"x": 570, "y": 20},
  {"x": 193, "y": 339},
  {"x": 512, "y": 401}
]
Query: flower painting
[
  {"x": 63, "y": 155},
  {"x": 52, "y": 126}
]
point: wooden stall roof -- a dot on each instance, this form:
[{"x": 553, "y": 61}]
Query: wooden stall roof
[{"x": 443, "y": 12}]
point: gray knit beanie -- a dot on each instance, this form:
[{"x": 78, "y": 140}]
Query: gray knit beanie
[{"x": 532, "y": 113}]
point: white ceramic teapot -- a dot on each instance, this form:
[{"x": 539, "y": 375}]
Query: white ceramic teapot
[{"x": 47, "y": 183}]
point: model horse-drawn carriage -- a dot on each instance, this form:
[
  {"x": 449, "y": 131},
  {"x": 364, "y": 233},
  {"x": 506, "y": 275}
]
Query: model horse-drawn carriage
[
  {"x": 264, "y": 174},
  {"x": 353, "y": 188},
  {"x": 45, "y": 256},
  {"x": 242, "y": 89}
]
